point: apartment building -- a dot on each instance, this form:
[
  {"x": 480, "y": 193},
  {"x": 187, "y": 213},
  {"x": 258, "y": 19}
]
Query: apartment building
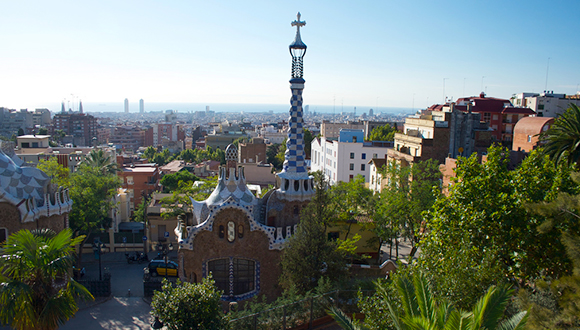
[
  {"x": 438, "y": 134},
  {"x": 127, "y": 137},
  {"x": 81, "y": 126},
  {"x": 500, "y": 115},
  {"x": 332, "y": 130},
  {"x": 346, "y": 158},
  {"x": 546, "y": 104},
  {"x": 139, "y": 180}
]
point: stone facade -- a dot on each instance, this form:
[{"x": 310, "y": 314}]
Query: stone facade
[{"x": 247, "y": 244}]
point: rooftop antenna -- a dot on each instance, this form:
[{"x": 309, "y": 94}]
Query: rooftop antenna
[
  {"x": 444, "y": 98},
  {"x": 547, "y": 70},
  {"x": 482, "y": 82},
  {"x": 334, "y": 110}
]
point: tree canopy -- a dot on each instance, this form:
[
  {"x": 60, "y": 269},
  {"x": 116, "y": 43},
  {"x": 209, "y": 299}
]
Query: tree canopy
[
  {"x": 383, "y": 133},
  {"x": 482, "y": 233},
  {"x": 172, "y": 181},
  {"x": 189, "y": 305},
  {"x": 309, "y": 255},
  {"x": 58, "y": 174}
]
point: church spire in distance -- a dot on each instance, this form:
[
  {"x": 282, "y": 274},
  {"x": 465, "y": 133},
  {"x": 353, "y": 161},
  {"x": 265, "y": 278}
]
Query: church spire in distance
[{"x": 295, "y": 183}]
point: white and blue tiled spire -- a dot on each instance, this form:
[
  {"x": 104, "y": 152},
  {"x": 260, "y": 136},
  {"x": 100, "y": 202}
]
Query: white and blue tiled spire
[{"x": 295, "y": 183}]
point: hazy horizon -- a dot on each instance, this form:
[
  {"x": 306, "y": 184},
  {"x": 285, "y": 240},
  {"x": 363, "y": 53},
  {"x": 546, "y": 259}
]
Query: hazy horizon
[{"x": 185, "y": 107}]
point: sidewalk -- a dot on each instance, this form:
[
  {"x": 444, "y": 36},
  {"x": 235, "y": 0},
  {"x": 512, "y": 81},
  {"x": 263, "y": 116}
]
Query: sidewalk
[{"x": 114, "y": 257}]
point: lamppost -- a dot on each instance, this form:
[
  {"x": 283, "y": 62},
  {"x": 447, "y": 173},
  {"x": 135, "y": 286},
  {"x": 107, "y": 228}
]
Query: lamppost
[
  {"x": 98, "y": 247},
  {"x": 165, "y": 249}
]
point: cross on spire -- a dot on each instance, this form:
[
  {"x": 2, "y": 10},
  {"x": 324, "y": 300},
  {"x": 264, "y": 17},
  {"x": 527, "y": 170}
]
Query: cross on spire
[{"x": 298, "y": 23}]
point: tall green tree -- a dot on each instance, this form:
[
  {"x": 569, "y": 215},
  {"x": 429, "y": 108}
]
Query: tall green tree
[
  {"x": 58, "y": 174},
  {"x": 554, "y": 302},
  {"x": 349, "y": 200},
  {"x": 309, "y": 255},
  {"x": 410, "y": 191},
  {"x": 149, "y": 153},
  {"x": 562, "y": 140},
  {"x": 92, "y": 194},
  {"x": 482, "y": 233},
  {"x": 308, "y": 137},
  {"x": 187, "y": 306},
  {"x": 37, "y": 290},
  {"x": 272, "y": 151}
]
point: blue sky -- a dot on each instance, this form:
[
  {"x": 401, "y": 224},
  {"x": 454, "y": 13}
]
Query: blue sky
[{"x": 360, "y": 53}]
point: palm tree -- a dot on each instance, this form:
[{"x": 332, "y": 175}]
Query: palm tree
[
  {"x": 562, "y": 140},
  {"x": 36, "y": 289},
  {"x": 98, "y": 159},
  {"x": 422, "y": 311}
]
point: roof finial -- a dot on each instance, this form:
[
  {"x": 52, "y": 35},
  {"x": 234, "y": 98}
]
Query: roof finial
[{"x": 298, "y": 23}]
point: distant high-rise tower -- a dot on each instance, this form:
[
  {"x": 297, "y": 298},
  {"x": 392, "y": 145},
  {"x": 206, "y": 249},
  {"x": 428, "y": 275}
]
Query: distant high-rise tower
[
  {"x": 370, "y": 112},
  {"x": 295, "y": 183},
  {"x": 62, "y": 108},
  {"x": 80, "y": 106},
  {"x": 141, "y": 106},
  {"x": 126, "y": 105}
]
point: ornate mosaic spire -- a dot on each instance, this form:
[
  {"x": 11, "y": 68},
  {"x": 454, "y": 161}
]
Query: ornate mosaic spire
[{"x": 295, "y": 182}]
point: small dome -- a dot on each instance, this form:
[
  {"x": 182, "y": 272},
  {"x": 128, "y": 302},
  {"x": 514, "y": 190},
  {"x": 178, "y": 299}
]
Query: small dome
[{"x": 231, "y": 153}]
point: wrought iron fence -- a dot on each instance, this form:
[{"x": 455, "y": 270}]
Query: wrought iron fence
[{"x": 302, "y": 313}]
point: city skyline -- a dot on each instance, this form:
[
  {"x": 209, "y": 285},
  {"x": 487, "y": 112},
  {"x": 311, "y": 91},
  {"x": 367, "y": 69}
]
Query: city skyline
[{"x": 408, "y": 55}]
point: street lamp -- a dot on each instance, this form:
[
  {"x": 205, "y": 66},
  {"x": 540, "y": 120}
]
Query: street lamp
[
  {"x": 98, "y": 247},
  {"x": 165, "y": 249}
]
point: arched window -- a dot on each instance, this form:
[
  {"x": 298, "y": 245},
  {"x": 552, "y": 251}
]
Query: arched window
[
  {"x": 231, "y": 231},
  {"x": 240, "y": 231},
  {"x": 222, "y": 231},
  {"x": 244, "y": 279}
]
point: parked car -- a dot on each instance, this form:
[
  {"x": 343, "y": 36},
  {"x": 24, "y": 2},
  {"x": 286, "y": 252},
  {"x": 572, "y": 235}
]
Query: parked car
[{"x": 158, "y": 267}]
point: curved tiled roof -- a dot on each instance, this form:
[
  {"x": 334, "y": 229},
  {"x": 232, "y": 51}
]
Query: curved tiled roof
[
  {"x": 22, "y": 182},
  {"x": 532, "y": 125}
]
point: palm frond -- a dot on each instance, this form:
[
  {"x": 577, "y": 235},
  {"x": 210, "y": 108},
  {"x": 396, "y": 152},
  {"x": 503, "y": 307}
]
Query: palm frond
[
  {"x": 516, "y": 322},
  {"x": 424, "y": 296},
  {"x": 408, "y": 298},
  {"x": 489, "y": 309},
  {"x": 459, "y": 320},
  {"x": 342, "y": 319}
]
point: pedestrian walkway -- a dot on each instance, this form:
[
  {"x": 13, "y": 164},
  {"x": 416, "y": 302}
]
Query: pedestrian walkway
[{"x": 117, "y": 313}]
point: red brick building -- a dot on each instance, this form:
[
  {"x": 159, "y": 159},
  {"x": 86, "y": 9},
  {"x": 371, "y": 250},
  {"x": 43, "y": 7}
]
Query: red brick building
[
  {"x": 79, "y": 125},
  {"x": 500, "y": 115},
  {"x": 527, "y": 130},
  {"x": 254, "y": 152},
  {"x": 140, "y": 180}
]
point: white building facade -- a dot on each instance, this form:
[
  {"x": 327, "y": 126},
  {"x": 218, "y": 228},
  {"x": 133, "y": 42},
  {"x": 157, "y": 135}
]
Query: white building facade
[
  {"x": 344, "y": 159},
  {"x": 546, "y": 104}
]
